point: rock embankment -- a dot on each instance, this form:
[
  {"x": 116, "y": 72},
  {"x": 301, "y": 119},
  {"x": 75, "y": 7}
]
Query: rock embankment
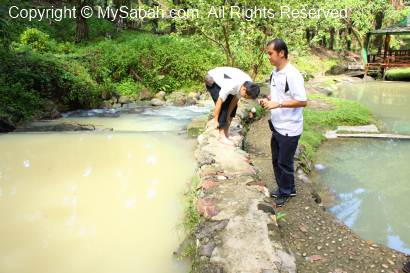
[{"x": 235, "y": 233}]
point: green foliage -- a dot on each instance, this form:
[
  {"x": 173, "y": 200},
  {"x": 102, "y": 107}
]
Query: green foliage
[
  {"x": 158, "y": 62},
  {"x": 191, "y": 218},
  {"x": 316, "y": 122},
  {"x": 5, "y": 39},
  {"x": 398, "y": 74},
  {"x": 82, "y": 91},
  {"x": 16, "y": 102},
  {"x": 310, "y": 64},
  {"x": 280, "y": 216},
  {"x": 37, "y": 39},
  {"x": 260, "y": 111},
  {"x": 128, "y": 87},
  {"x": 44, "y": 76},
  {"x": 190, "y": 222}
]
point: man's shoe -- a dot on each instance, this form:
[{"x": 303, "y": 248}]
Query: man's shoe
[
  {"x": 406, "y": 267},
  {"x": 281, "y": 200},
  {"x": 276, "y": 194}
]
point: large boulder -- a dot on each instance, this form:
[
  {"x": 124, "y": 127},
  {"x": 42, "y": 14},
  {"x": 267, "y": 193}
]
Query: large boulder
[
  {"x": 337, "y": 69},
  {"x": 192, "y": 98},
  {"x": 157, "y": 102},
  {"x": 160, "y": 95},
  {"x": 177, "y": 98},
  {"x": 194, "y": 95},
  {"x": 144, "y": 94},
  {"x": 124, "y": 99}
]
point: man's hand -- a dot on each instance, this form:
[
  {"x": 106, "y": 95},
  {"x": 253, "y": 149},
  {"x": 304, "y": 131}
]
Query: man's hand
[{"x": 268, "y": 104}]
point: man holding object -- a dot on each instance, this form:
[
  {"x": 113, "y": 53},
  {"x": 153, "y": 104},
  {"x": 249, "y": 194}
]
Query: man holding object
[{"x": 288, "y": 97}]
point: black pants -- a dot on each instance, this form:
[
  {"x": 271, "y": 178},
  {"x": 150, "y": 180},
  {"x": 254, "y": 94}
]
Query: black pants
[
  {"x": 223, "y": 115},
  {"x": 283, "y": 151}
]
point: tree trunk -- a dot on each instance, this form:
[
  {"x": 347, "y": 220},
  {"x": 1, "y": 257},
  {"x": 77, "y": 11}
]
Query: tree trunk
[
  {"x": 82, "y": 29},
  {"x": 349, "y": 38},
  {"x": 173, "y": 25},
  {"x": 379, "y": 38},
  {"x": 308, "y": 37},
  {"x": 228, "y": 52},
  {"x": 122, "y": 22},
  {"x": 332, "y": 38}
]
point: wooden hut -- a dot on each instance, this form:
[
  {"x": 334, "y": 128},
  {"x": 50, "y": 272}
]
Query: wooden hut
[{"x": 386, "y": 57}]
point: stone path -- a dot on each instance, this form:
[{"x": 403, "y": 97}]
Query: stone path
[{"x": 234, "y": 235}]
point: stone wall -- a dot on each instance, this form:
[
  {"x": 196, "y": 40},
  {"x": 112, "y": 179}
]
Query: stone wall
[{"x": 237, "y": 232}]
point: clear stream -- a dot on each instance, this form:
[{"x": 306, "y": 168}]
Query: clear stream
[
  {"x": 371, "y": 178},
  {"x": 80, "y": 202}
]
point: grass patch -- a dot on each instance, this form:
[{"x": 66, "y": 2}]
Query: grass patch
[
  {"x": 310, "y": 64},
  {"x": 398, "y": 74},
  {"x": 190, "y": 222},
  {"x": 191, "y": 218},
  {"x": 316, "y": 122}
]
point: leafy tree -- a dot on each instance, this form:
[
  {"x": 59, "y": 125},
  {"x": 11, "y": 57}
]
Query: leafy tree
[{"x": 5, "y": 39}]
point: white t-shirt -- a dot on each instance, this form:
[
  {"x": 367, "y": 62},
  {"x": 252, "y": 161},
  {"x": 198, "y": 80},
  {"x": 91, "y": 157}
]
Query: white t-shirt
[
  {"x": 287, "y": 121},
  {"x": 230, "y": 79}
]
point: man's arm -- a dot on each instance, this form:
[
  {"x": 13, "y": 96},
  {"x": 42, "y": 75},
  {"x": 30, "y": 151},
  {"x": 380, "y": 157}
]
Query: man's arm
[
  {"x": 217, "y": 111},
  {"x": 286, "y": 104}
]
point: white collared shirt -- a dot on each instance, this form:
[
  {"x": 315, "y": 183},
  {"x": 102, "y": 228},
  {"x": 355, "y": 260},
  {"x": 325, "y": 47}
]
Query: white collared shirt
[
  {"x": 287, "y": 121},
  {"x": 230, "y": 79}
]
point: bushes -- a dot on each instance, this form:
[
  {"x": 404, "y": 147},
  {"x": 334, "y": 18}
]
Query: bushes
[
  {"x": 29, "y": 77},
  {"x": 129, "y": 87},
  {"x": 41, "y": 42},
  {"x": 40, "y": 68},
  {"x": 38, "y": 40},
  {"x": 398, "y": 74},
  {"x": 17, "y": 103},
  {"x": 157, "y": 62}
]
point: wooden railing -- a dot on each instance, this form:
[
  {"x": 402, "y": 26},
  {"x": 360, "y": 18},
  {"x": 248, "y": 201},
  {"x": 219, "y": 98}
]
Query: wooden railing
[{"x": 390, "y": 58}]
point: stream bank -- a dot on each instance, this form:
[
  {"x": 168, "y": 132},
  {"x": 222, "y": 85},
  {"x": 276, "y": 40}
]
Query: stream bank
[
  {"x": 321, "y": 243},
  {"x": 312, "y": 239}
]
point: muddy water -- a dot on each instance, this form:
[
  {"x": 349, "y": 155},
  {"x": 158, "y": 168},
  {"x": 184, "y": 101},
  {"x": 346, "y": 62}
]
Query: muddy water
[
  {"x": 371, "y": 178},
  {"x": 94, "y": 202}
]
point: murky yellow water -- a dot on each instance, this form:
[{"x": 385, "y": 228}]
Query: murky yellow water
[{"x": 92, "y": 202}]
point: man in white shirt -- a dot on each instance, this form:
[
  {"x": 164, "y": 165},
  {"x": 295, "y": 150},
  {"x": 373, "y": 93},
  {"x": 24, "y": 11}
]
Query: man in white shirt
[
  {"x": 226, "y": 86},
  {"x": 288, "y": 97}
]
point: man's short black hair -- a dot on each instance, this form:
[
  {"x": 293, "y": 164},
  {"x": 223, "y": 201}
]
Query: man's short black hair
[
  {"x": 252, "y": 89},
  {"x": 279, "y": 45}
]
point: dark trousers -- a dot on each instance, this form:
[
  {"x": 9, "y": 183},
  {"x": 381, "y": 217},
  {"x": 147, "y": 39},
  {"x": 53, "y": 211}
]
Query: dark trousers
[
  {"x": 283, "y": 151},
  {"x": 223, "y": 115}
]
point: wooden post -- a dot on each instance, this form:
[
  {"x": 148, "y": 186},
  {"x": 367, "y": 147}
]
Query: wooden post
[
  {"x": 386, "y": 45},
  {"x": 386, "y": 49}
]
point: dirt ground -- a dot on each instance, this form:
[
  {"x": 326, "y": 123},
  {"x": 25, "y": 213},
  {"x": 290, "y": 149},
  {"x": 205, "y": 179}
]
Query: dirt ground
[{"x": 318, "y": 240}]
